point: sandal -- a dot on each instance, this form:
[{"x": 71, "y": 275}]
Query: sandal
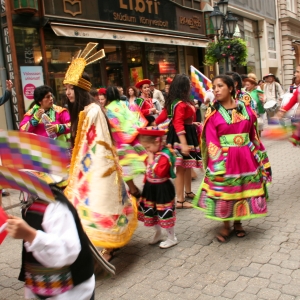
[
  {"x": 108, "y": 253},
  {"x": 182, "y": 205},
  {"x": 240, "y": 233},
  {"x": 223, "y": 238},
  {"x": 189, "y": 195}
]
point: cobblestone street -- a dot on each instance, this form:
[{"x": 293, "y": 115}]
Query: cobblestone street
[{"x": 263, "y": 265}]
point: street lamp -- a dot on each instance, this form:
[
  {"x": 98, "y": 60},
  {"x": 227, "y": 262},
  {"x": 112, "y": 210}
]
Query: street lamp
[{"x": 223, "y": 19}]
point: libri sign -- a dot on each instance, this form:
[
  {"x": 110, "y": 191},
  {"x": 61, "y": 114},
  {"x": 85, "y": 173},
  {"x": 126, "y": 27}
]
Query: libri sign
[{"x": 149, "y": 13}]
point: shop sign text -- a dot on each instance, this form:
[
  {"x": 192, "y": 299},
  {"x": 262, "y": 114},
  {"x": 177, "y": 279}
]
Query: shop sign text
[
  {"x": 193, "y": 22},
  {"x": 11, "y": 75},
  {"x": 141, "y": 6}
]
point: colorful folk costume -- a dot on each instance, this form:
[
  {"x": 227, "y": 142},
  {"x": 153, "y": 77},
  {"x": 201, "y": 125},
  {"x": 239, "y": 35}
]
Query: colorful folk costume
[
  {"x": 96, "y": 187},
  {"x": 236, "y": 164},
  {"x": 295, "y": 138},
  {"x": 57, "y": 115},
  {"x": 124, "y": 124},
  {"x": 157, "y": 202},
  {"x": 182, "y": 116},
  {"x": 145, "y": 103},
  {"x": 58, "y": 263}
]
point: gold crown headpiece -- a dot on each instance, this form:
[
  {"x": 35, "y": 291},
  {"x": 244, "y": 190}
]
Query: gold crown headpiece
[{"x": 76, "y": 69}]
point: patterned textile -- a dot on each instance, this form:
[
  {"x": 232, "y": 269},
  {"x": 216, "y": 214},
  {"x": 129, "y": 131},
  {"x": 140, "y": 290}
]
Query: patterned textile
[
  {"x": 22, "y": 150},
  {"x": 96, "y": 187},
  {"x": 237, "y": 166},
  {"x": 194, "y": 160},
  {"x": 124, "y": 130},
  {"x": 47, "y": 281},
  {"x": 30, "y": 184},
  {"x": 124, "y": 122}
]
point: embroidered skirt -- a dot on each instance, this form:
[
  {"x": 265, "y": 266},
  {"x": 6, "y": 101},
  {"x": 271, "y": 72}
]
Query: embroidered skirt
[
  {"x": 194, "y": 160},
  {"x": 157, "y": 204}
]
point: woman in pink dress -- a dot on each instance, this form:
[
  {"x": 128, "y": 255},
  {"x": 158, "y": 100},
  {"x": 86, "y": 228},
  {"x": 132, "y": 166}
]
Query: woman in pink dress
[{"x": 236, "y": 163}]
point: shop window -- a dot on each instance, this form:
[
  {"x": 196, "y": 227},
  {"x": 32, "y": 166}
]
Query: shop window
[
  {"x": 162, "y": 62},
  {"x": 28, "y": 46},
  {"x": 114, "y": 63},
  {"x": 134, "y": 62},
  {"x": 59, "y": 53},
  {"x": 271, "y": 37}
]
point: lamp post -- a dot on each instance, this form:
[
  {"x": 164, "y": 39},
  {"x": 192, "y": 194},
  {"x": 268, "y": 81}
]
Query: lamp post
[{"x": 224, "y": 23}]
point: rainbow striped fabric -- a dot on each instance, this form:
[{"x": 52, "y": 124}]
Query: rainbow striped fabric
[
  {"x": 22, "y": 150},
  {"x": 200, "y": 84},
  {"x": 30, "y": 184}
]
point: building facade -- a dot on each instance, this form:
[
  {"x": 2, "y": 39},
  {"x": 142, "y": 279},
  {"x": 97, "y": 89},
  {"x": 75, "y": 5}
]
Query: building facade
[
  {"x": 142, "y": 39},
  {"x": 289, "y": 18},
  {"x": 258, "y": 25}
]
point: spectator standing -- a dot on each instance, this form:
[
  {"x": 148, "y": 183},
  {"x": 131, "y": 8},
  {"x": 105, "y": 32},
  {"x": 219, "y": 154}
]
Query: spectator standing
[{"x": 157, "y": 94}]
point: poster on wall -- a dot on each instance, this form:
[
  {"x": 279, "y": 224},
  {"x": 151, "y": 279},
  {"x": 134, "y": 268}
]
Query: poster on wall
[
  {"x": 136, "y": 74},
  {"x": 32, "y": 77}
]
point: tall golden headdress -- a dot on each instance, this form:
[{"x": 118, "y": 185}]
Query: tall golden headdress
[{"x": 76, "y": 69}]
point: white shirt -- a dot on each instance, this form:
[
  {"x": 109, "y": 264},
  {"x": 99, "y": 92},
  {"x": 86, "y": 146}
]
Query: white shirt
[{"x": 59, "y": 246}]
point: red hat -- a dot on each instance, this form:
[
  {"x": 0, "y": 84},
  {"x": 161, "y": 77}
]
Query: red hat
[
  {"x": 153, "y": 131},
  {"x": 102, "y": 91},
  {"x": 169, "y": 80},
  {"x": 141, "y": 82}
]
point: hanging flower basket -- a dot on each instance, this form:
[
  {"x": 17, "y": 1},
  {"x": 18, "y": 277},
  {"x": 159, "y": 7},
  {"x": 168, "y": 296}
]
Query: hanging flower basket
[{"x": 235, "y": 49}]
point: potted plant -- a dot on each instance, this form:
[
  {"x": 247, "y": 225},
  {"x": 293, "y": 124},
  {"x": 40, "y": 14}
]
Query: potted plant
[{"x": 234, "y": 49}]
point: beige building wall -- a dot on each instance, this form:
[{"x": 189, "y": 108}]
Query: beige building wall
[{"x": 289, "y": 20}]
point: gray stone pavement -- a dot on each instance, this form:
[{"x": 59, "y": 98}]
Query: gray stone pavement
[{"x": 263, "y": 265}]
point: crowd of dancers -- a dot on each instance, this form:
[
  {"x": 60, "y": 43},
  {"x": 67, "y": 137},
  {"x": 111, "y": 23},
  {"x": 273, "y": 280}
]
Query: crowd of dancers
[{"x": 112, "y": 141}]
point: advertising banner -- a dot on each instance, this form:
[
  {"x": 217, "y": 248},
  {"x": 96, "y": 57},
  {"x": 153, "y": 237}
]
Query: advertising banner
[{"x": 32, "y": 77}]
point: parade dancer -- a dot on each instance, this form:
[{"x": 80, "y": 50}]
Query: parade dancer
[
  {"x": 124, "y": 124},
  {"x": 57, "y": 261},
  {"x": 236, "y": 163},
  {"x": 183, "y": 135},
  {"x": 144, "y": 102},
  {"x": 96, "y": 187},
  {"x": 157, "y": 203},
  {"x": 295, "y": 138},
  {"x": 58, "y": 117}
]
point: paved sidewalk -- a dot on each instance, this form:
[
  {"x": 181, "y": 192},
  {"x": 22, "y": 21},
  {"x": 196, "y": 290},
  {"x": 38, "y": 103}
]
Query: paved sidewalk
[{"x": 263, "y": 265}]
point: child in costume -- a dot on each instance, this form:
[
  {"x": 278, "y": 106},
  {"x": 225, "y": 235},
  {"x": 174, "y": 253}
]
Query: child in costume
[{"x": 157, "y": 203}]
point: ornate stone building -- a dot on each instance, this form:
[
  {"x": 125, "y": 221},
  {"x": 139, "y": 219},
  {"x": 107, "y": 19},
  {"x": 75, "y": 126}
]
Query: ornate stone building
[{"x": 289, "y": 18}]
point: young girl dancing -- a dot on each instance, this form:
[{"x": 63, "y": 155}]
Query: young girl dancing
[{"x": 157, "y": 203}]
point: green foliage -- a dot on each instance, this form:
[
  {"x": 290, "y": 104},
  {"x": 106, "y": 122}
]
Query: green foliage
[{"x": 235, "y": 49}]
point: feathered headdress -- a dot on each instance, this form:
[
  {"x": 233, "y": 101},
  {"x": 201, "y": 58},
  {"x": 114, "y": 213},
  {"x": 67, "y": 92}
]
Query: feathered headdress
[{"x": 76, "y": 69}]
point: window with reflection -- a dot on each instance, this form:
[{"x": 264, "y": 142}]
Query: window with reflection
[
  {"x": 162, "y": 62},
  {"x": 134, "y": 62},
  {"x": 59, "y": 53},
  {"x": 114, "y": 64}
]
